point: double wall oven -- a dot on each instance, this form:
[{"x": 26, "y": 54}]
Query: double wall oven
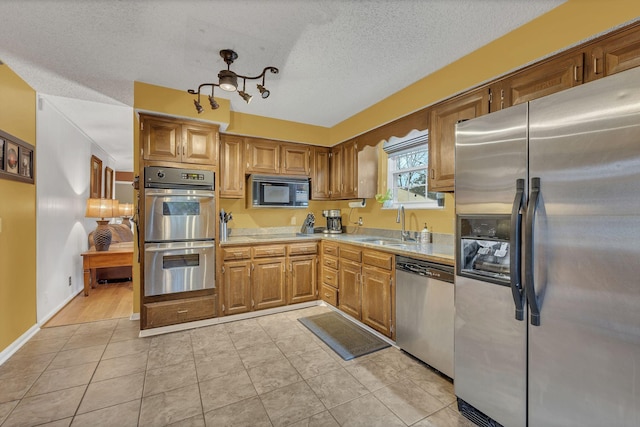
[{"x": 179, "y": 242}]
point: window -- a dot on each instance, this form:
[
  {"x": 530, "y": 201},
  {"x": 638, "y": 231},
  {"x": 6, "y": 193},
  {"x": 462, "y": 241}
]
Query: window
[{"x": 407, "y": 172}]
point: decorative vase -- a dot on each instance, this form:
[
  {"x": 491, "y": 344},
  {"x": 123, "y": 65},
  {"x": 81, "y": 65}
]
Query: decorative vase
[{"x": 102, "y": 236}]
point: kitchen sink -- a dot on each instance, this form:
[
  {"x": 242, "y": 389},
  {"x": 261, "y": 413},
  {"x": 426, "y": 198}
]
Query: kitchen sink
[{"x": 386, "y": 242}]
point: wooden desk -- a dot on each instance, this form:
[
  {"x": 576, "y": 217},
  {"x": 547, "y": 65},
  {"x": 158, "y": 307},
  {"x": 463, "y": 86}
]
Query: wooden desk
[{"x": 118, "y": 255}]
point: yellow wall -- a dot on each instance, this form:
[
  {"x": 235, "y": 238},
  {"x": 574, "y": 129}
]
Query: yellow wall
[
  {"x": 556, "y": 30},
  {"x": 18, "y": 215}
]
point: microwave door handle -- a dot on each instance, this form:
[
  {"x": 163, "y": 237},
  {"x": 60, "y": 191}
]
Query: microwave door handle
[
  {"x": 514, "y": 252},
  {"x": 180, "y": 247}
]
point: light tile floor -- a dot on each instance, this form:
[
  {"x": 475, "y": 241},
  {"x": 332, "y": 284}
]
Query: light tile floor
[{"x": 267, "y": 371}]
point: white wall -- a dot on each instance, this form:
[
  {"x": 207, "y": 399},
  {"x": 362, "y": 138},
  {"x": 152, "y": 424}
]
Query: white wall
[{"x": 63, "y": 155}]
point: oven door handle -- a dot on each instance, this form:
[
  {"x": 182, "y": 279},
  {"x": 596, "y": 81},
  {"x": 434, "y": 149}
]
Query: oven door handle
[
  {"x": 154, "y": 192},
  {"x": 178, "y": 247}
]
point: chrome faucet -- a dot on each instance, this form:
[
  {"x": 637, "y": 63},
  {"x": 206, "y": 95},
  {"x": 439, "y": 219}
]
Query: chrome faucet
[{"x": 400, "y": 219}]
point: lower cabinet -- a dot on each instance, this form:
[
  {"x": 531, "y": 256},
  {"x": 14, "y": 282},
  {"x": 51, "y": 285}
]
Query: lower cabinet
[
  {"x": 376, "y": 299},
  {"x": 365, "y": 287},
  {"x": 166, "y": 313},
  {"x": 268, "y": 276},
  {"x": 350, "y": 286}
]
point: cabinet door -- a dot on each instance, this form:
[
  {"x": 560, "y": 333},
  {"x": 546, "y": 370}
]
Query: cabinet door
[
  {"x": 199, "y": 144},
  {"x": 262, "y": 156},
  {"x": 232, "y": 167},
  {"x": 350, "y": 170},
  {"x": 303, "y": 283},
  {"x": 550, "y": 77},
  {"x": 614, "y": 54},
  {"x": 350, "y": 288},
  {"x": 442, "y": 135},
  {"x": 376, "y": 299},
  {"x": 268, "y": 284},
  {"x": 236, "y": 287},
  {"x": 296, "y": 159},
  {"x": 162, "y": 139},
  {"x": 320, "y": 179},
  {"x": 499, "y": 96},
  {"x": 336, "y": 172}
]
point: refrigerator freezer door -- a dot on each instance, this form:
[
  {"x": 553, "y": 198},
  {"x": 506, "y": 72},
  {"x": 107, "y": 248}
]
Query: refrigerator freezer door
[
  {"x": 490, "y": 344},
  {"x": 584, "y": 358},
  {"x": 491, "y": 153}
]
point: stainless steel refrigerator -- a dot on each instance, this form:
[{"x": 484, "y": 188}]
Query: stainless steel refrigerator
[{"x": 547, "y": 286}]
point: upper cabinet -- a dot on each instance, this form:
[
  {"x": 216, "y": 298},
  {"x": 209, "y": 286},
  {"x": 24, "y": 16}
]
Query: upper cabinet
[
  {"x": 232, "y": 167},
  {"x": 320, "y": 178},
  {"x": 442, "y": 135},
  {"x": 296, "y": 159},
  {"x": 275, "y": 158},
  {"x": 613, "y": 54},
  {"x": 262, "y": 156},
  {"x": 354, "y": 171},
  {"x": 555, "y": 75},
  {"x": 173, "y": 140}
]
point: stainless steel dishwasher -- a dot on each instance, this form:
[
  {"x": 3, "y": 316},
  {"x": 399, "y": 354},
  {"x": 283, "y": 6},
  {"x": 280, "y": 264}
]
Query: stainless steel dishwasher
[{"x": 425, "y": 311}]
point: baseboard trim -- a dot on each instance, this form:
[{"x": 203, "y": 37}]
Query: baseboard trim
[
  {"x": 134, "y": 316},
  {"x": 60, "y": 306},
  {"x": 17, "y": 344}
]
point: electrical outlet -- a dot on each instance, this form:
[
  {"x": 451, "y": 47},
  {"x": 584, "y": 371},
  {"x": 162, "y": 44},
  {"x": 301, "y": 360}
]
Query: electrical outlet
[
  {"x": 69, "y": 280},
  {"x": 360, "y": 222},
  {"x": 294, "y": 220}
]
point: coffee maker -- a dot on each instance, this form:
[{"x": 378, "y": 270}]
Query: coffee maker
[{"x": 334, "y": 220}]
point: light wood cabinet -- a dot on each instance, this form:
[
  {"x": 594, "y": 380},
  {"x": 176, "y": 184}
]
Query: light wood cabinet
[
  {"x": 350, "y": 170},
  {"x": 320, "y": 174},
  {"x": 236, "y": 287},
  {"x": 614, "y": 54},
  {"x": 266, "y": 276},
  {"x": 296, "y": 159},
  {"x": 303, "y": 279},
  {"x": 165, "y": 313},
  {"x": 553, "y": 76},
  {"x": 336, "y": 161},
  {"x": 232, "y": 167},
  {"x": 329, "y": 280},
  {"x": 173, "y": 140},
  {"x": 442, "y": 135},
  {"x": 350, "y": 288},
  {"x": 268, "y": 283},
  {"x": 376, "y": 299},
  {"x": 262, "y": 156}
]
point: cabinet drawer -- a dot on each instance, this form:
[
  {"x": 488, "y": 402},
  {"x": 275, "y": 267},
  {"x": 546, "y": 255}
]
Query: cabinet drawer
[
  {"x": 329, "y": 294},
  {"x": 353, "y": 254},
  {"x": 235, "y": 253},
  {"x": 330, "y": 249},
  {"x": 330, "y": 277},
  {"x": 378, "y": 259},
  {"x": 330, "y": 262},
  {"x": 269, "y": 251},
  {"x": 180, "y": 311},
  {"x": 303, "y": 248}
]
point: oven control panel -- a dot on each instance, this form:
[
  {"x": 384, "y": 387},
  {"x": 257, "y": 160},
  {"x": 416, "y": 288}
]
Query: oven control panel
[{"x": 162, "y": 177}]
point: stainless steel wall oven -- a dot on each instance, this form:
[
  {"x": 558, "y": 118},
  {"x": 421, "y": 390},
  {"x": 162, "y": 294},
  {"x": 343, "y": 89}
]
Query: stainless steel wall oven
[{"x": 179, "y": 248}]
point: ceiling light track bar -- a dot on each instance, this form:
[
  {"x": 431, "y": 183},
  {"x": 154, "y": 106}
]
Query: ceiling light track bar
[{"x": 228, "y": 81}]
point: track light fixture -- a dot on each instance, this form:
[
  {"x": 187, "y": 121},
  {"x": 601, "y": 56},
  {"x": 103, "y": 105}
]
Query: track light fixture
[{"x": 228, "y": 81}]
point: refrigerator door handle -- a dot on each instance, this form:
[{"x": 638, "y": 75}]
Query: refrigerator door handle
[
  {"x": 528, "y": 262},
  {"x": 514, "y": 261}
]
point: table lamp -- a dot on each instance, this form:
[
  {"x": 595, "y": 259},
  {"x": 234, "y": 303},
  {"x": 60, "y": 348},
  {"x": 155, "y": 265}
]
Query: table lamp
[
  {"x": 102, "y": 208},
  {"x": 125, "y": 210}
]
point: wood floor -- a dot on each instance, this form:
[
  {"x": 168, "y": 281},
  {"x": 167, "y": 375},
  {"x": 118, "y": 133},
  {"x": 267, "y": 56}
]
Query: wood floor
[{"x": 106, "y": 301}]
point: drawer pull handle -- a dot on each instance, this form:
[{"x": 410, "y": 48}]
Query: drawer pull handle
[{"x": 183, "y": 311}]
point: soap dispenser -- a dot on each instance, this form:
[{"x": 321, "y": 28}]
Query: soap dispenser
[{"x": 425, "y": 236}]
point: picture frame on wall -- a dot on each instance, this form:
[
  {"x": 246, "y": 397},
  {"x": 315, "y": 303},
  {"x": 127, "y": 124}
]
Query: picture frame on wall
[
  {"x": 12, "y": 158},
  {"x": 1, "y": 154},
  {"x": 26, "y": 162},
  {"x": 95, "y": 181},
  {"x": 17, "y": 159},
  {"x": 108, "y": 183}
]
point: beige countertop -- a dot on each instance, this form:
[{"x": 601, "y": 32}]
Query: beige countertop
[{"x": 430, "y": 252}]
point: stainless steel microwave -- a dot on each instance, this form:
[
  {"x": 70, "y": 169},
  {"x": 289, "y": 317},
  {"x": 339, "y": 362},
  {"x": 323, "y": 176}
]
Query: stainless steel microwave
[{"x": 278, "y": 192}]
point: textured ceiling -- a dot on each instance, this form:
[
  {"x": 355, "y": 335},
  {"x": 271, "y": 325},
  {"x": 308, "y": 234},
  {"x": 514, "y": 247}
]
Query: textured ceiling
[{"x": 336, "y": 58}]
